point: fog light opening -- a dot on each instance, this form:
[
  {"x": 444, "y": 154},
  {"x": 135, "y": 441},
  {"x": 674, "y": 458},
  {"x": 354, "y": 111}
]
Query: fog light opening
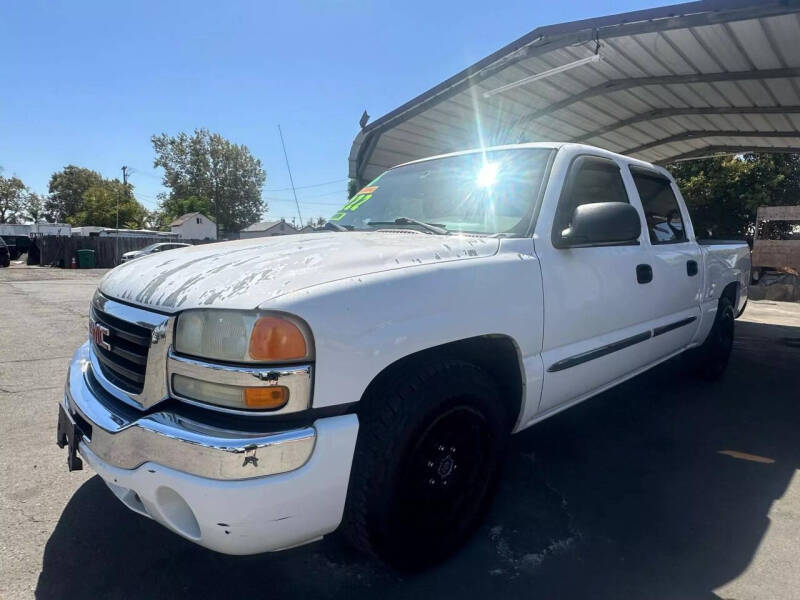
[{"x": 177, "y": 513}]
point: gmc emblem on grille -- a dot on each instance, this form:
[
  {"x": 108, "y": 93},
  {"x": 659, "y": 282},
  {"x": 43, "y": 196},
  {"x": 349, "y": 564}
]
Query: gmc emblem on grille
[{"x": 98, "y": 333}]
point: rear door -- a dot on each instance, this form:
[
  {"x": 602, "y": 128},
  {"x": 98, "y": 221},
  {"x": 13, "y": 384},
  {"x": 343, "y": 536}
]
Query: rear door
[
  {"x": 599, "y": 301},
  {"x": 675, "y": 258}
]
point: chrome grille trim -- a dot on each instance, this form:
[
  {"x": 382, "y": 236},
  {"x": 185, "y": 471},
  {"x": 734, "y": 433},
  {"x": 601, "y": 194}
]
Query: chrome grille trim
[
  {"x": 124, "y": 357},
  {"x": 154, "y": 387}
]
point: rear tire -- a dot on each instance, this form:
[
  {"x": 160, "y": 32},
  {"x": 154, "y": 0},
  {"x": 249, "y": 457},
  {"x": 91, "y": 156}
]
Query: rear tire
[
  {"x": 431, "y": 442},
  {"x": 710, "y": 360}
]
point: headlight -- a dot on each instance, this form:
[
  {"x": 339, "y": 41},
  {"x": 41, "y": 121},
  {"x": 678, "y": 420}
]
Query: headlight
[{"x": 240, "y": 336}]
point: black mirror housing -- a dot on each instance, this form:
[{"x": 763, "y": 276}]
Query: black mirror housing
[{"x": 602, "y": 224}]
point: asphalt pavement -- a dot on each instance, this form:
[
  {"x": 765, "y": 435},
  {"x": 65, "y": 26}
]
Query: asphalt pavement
[{"x": 665, "y": 487}]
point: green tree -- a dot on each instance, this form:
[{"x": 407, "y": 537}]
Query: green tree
[
  {"x": 33, "y": 207},
  {"x": 352, "y": 188},
  {"x": 99, "y": 207},
  {"x": 12, "y": 196},
  {"x": 206, "y": 165},
  {"x": 67, "y": 188},
  {"x": 723, "y": 193}
]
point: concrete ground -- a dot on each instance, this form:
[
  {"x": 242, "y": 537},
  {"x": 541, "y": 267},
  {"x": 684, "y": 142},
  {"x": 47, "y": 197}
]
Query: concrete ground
[{"x": 665, "y": 487}]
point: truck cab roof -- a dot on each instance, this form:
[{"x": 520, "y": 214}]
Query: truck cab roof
[{"x": 559, "y": 146}]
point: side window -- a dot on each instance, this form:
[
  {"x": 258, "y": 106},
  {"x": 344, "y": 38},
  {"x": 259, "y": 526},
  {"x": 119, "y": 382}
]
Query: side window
[
  {"x": 661, "y": 210},
  {"x": 591, "y": 179}
]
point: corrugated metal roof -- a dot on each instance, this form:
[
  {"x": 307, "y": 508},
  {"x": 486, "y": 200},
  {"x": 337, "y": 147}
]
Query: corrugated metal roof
[
  {"x": 673, "y": 82},
  {"x": 265, "y": 225}
]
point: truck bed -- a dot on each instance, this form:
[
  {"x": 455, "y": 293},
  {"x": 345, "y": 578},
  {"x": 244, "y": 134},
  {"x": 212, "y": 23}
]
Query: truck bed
[{"x": 721, "y": 257}]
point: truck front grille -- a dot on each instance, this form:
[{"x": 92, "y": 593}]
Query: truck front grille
[{"x": 125, "y": 363}]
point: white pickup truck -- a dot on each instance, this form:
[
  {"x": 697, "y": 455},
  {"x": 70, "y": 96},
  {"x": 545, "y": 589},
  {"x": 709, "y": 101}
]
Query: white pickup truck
[{"x": 255, "y": 395}]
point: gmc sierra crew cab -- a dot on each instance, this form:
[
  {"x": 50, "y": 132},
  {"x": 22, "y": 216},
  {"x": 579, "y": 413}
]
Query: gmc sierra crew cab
[{"x": 255, "y": 395}]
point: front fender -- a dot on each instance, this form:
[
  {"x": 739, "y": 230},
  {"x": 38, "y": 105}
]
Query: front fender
[{"x": 363, "y": 324}]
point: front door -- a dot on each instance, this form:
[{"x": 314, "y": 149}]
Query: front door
[{"x": 599, "y": 300}]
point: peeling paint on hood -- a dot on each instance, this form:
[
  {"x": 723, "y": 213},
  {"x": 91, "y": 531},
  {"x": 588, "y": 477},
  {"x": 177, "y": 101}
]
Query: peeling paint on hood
[{"x": 246, "y": 273}]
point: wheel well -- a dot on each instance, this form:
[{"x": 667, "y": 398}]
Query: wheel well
[
  {"x": 731, "y": 292},
  {"x": 498, "y": 355}
]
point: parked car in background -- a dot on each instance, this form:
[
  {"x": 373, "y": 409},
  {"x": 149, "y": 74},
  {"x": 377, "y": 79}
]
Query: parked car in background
[
  {"x": 252, "y": 395},
  {"x": 152, "y": 249},
  {"x": 5, "y": 253}
]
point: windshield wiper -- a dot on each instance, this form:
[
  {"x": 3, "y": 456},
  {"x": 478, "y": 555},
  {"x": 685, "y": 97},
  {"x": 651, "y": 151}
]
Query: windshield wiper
[
  {"x": 337, "y": 227},
  {"x": 436, "y": 228}
]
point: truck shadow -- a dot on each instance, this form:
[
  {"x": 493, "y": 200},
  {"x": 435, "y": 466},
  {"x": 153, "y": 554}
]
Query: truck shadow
[{"x": 627, "y": 496}]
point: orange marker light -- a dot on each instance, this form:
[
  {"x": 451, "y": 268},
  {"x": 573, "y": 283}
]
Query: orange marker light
[
  {"x": 277, "y": 339},
  {"x": 270, "y": 398}
]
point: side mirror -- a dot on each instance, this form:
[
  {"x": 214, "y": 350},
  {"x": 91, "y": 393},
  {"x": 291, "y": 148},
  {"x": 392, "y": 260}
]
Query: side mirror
[{"x": 602, "y": 223}]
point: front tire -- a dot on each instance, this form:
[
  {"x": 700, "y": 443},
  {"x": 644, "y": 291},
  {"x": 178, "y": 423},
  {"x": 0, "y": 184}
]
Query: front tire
[{"x": 431, "y": 442}]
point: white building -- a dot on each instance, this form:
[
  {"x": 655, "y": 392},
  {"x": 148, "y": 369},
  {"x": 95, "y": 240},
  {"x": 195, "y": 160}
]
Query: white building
[
  {"x": 194, "y": 226},
  {"x": 35, "y": 229},
  {"x": 96, "y": 231},
  {"x": 267, "y": 229}
]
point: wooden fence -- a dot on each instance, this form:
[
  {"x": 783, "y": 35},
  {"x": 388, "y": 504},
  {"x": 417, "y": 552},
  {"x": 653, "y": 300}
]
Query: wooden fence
[{"x": 59, "y": 251}]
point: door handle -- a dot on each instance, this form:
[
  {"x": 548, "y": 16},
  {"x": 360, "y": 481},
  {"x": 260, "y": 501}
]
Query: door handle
[
  {"x": 644, "y": 273},
  {"x": 691, "y": 268}
]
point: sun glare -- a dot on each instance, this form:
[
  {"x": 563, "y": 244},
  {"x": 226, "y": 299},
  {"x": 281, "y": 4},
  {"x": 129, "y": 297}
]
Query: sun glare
[{"x": 487, "y": 175}]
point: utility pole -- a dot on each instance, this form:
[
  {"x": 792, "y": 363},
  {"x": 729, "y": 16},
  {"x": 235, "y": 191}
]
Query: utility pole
[
  {"x": 124, "y": 191},
  {"x": 290, "y": 176}
]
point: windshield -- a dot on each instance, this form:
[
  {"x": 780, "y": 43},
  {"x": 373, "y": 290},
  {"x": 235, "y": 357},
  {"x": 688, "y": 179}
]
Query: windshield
[
  {"x": 148, "y": 249},
  {"x": 489, "y": 193}
]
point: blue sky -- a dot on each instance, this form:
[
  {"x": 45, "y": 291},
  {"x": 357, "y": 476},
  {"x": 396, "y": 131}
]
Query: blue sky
[{"x": 88, "y": 83}]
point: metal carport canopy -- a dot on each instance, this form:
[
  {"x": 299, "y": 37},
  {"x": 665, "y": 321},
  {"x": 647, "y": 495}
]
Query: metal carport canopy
[{"x": 673, "y": 82}]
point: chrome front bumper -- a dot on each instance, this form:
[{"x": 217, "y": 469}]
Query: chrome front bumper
[{"x": 123, "y": 438}]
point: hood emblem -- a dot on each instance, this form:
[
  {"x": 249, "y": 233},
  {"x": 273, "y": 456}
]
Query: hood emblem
[{"x": 98, "y": 334}]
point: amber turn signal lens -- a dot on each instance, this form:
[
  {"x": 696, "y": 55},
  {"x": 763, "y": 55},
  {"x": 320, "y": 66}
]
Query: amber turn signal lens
[
  {"x": 276, "y": 339},
  {"x": 269, "y": 398}
]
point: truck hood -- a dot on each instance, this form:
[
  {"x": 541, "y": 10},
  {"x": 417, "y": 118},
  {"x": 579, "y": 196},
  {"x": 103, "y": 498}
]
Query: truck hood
[{"x": 246, "y": 273}]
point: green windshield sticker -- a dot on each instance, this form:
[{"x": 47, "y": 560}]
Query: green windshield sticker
[
  {"x": 355, "y": 202},
  {"x": 359, "y": 202}
]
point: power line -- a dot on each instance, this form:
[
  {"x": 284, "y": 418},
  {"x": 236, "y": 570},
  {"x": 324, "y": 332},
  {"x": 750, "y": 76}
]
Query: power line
[
  {"x": 320, "y": 194},
  {"x": 138, "y": 171},
  {"x": 145, "y": 197},
  {"x": 339, "y": 194},
  {"x": 305, "y": 187},
  {"x": 331, "y": 203}
]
